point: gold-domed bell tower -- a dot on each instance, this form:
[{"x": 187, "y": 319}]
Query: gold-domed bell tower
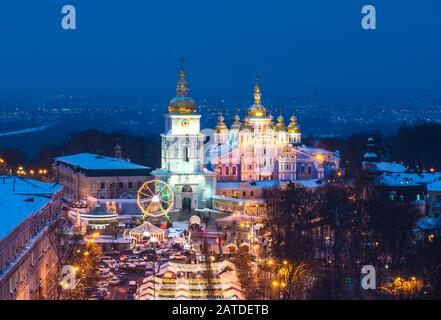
[
  {"x": 295, "y": 137},
  {"x": 182, "y": 155}
]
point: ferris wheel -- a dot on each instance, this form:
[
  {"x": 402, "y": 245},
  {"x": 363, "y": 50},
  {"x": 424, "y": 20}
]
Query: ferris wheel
[{"x": 155, "y": 199}]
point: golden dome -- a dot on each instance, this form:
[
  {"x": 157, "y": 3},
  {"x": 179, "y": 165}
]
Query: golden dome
[
  {"x": 280, "y": 126},
  {"x": 221, "y": 127},
  {"x": 182, "y": 104},
  {"x": 236, "y": 124},
  {"x": 257, "y": 110},
  {"x": 293, "y": 127},
  {"x": 246, "y": 125}
]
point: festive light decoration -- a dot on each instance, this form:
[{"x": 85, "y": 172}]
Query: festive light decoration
[{"x": 155, "y": 199}]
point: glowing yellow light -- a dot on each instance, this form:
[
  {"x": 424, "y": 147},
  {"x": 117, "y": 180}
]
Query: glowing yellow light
[
  {"x": 319, "y": 157},
  {"x": 285, "y": 262},
  {"x": 339, "y": 174},
  {"x": 275, "y": 283},
  {"x": 86, "y": 253}
]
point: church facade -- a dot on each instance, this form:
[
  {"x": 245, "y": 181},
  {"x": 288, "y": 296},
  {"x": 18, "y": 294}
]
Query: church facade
[{"x": 255, "y": 149}]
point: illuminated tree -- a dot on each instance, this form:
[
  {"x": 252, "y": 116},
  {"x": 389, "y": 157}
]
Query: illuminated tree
[{"x": 401, "y": 288}]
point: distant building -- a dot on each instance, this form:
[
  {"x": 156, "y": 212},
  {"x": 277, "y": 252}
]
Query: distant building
[
  {"x": 434, "y": 199},
  {"x": 258, "y": 149},
  {"x": 246, "y": 197},
  {"x": 371, "y": 162},
  {"x": 99, "y": 217},
  {"x": 86, "y": 174},
  {"x": 27, "y": 261},
  {"x": 419, "y": 188}
]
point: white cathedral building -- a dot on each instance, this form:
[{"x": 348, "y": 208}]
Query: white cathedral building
[
  {"x": 255, "y": 149},
  {"x": 258, "y": 149}
]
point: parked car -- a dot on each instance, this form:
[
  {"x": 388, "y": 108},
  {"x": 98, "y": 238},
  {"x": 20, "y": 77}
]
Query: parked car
[
  {"x": 111, "y": 262},
  {"x": 178, "y": 257}
]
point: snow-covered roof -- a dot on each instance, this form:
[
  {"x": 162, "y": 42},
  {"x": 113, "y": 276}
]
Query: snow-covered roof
[
  {"x": 236, "y": 200},
  {"x": 428, "y": 224},
  {"x": 390, "y": 167},
  {"x": 248, "y": 184},
  {"x": 370, "y": 155},
  {"x": 20, "y": 198},
  {"x": 410, "y": 179},
  {"x": 90, "y": 161},
  {"x": 435, "y": 186},
  {"x": 309, "y": 183}
]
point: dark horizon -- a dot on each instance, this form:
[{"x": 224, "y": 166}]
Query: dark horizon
[{"x": 305, "y": 50}]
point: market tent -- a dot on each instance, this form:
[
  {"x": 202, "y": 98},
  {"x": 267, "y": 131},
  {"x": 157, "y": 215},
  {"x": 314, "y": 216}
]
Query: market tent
[{"x": 147, "y": 229}]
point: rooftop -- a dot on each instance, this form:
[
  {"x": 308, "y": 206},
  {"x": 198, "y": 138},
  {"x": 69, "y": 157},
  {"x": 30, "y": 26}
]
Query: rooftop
[
  {"x": 20, "y": 198},
  {"x": 435, "y": 186},
  {"x": 390, "y": 167},
  {"x": 410, "y": 179},
  {"x": 90, "y": 161}
]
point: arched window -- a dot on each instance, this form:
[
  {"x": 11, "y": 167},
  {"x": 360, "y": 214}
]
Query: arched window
[
  {"x": 234, "y": 171},
  {"x": 309, "y": 170},
  {"x": 186, "y": 157},
  {"x": 227, "y": 171},
  {"x": 252, "y": 194},
  {"x": 244, "y": 194}
]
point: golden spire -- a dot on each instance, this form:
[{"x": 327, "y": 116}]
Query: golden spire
[
  {"x": 257, "y": 94},
  {"x": 182, "y": 85},
  {"x": 182, "y": 104},
  {"x": 257, "y": 110}
]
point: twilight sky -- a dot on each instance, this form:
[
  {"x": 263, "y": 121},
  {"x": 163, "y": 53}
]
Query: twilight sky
[{"x": 300, "y": 47}]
